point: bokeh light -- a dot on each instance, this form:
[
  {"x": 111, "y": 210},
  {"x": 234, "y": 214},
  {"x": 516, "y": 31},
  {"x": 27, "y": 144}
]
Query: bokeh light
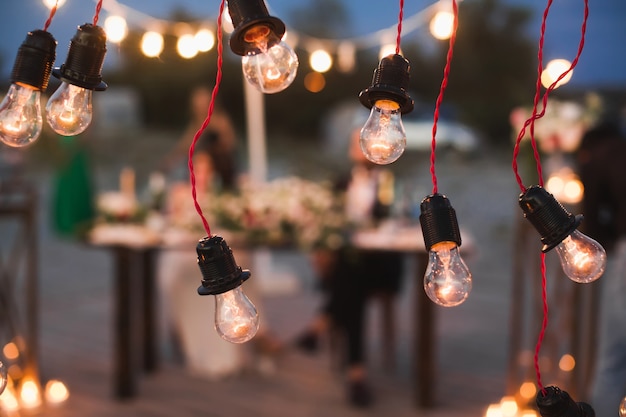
[
  {"x": 553, "y": 71},
  {"x": 115, "y": 28},
  {"x": 186, "y": 46},
  {"x": 320, "y": 60},
  {"x": 152, "y": 44},
  {"x": 205, "y": 40},
  {"x": 442, "y": 25}
]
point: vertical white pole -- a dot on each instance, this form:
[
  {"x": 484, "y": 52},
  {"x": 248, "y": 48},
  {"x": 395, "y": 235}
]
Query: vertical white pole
[{"x": 257, "y": 144}]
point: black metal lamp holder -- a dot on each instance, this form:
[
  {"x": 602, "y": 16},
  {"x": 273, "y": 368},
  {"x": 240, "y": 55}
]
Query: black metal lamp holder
[
  {"x": 553, "y": 222},
  {"x": 246, "y": 14},
  {"x": 438, "y": 221},
  {"x": 390, "y": 82},
  {"x": 34, "y": 61},
  {"x": 85, "y": 58},
  {"x": 220, "y": 272},
  {"x": 556, "y": 403}
]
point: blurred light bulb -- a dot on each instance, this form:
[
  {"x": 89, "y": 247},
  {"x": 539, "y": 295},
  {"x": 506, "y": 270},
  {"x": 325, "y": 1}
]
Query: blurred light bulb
[
  {"x": 29, "y": 393},
  {"x": 69, "y": 109},
  {"x": 51, "y": 3},
  {"x": 236, "y": 318},
  {"x": 320, "y": 60},
  {"x": 56, "y": 392},
  {"x": 383, "y": 138},
  {"x": 152, "y": 44},
  {"x": 270, "y": 64},
  {"x": 583, "y": 259},
  {"x": 4, "y": 378},
  {"x": 186, "y": 46},
  {"x": 447, "y": 281},
  {"x": 442, "y": 25},
  {"x": 205, "y": 40},
  {"x": 553, "y": 71},
  {"x": 622, "y": 408},
  {"x": 116, "y": 28},
  {"x": 20, "y": 116}
]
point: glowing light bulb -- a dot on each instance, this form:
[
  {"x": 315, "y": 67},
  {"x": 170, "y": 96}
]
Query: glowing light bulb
[
  {"x": 270, "y": 64},
  {"x": 236, "y": 318},
  {"x": 56, "y": 392},
  {"x": 152, "y": 44},
  {"x": 69, "y": 110},
  {"x": 4, "y": 378},
  {"x": 583, "y": 259},
  {"x": 20, "y": 111},
  {"x": 383, "y": 138},
  {"x": 622, "y": 408},
  {"x": 20, "y": 116},
  {"x": 448, "y": 280}
]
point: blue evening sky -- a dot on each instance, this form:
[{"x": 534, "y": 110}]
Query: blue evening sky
[{"x": 603, "y": 62}]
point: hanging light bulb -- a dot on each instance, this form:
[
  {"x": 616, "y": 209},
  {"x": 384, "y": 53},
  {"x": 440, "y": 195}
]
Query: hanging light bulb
[
  {"x": 552, "y": 402},
  {"x": 268, "y": 63},
  {"x": 583, "y": 259},
  {"x": 4, "y": 377},
  {"x": 383, "y": 138},
  {"x": 447, "y": 281},
  {"x": 20, "y": 111},
  {"x": 236, "y": 318},
  {"x": 69, "y": 109}
]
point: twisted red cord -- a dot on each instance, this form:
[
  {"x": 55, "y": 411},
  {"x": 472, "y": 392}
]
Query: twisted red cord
[
  {"x": 444, "y": 83},
  {"x": 53, "y": 10},
  {"x": 97, "y": 14},
  {"x": 400, "y": 18},
  {"x": 531, "y": 122},
  {"x": 207, "y": 120}
]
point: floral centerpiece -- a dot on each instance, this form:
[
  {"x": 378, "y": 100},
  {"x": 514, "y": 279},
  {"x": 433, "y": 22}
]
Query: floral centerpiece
[{"x": 288, "y": 211}]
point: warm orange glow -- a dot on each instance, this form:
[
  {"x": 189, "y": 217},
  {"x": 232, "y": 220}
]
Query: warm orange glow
[
  {"x": 567, "y": 363},
  {"x": 29, "y": 394},
  {"x": 10, "y": 351},
  {"x": 508, "y": 405},
  {"x": 314, "y": 82},
  {"x": 528, "y": 390},
  {"x": 494, "y": 411},
  {"x": 8, "y": 401},
  {"x": 56, "y": 392}
]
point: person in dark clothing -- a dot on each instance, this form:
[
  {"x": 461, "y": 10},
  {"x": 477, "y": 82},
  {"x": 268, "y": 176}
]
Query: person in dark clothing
[
  {"x": 602, "y": 168},
  {"x": 352, "y": 276}
]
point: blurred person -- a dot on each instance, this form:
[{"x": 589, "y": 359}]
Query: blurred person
[
  {"x": 602, "y": 170},
  {"x": 350, "y": 276},
  {"x": 217, "y": 145}
]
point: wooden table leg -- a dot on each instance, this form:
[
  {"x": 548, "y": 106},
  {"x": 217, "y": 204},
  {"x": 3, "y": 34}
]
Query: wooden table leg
[
  {"x": 150, "y": 303},
  {"x": 424, "y": 358},
  {"x": 125, "y": 370}
]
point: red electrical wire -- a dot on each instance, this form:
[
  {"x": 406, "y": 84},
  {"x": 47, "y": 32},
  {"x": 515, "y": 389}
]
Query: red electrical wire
[
  {"x": 97, "y": 14},
  {"x": 444, "y": 83},
  {"x": 53, "y": 10},
  {"x": 218, "y": 80},
  {"x": 400, "y": 18},
  {"x": 530, "y": 122}
]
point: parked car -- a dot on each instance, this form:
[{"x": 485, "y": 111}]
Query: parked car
[{"x": 450, "y": 134}]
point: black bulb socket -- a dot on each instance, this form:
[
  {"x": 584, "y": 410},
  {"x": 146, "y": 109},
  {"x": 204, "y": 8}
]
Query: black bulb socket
[
  {"x": 553, "y": 222},
  {"x": 220, "y": 272},
  {"x": 246, "y": 15},
  {"x": 34, "y": 61},
  {"x": 390, "y": 82},
  {"x": 553, "y": 402},
  {"x": 83, "y": 65},
  {"x": 438, "y": 221}
]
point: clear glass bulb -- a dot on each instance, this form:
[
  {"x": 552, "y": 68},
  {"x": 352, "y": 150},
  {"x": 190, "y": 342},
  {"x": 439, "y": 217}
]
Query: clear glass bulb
[
  {"x": 3, "y": 377},
  {"x": 272, "y": 69},
  {"x": 448, "y": 280},
  {"x": 20, "y": 116},
  {"x": 69, "y": 109},
  {"x": 383, "y": 138},
  {"x": 583, "y": 259},
  {"x": 622, "y": 408},
  {"x": 236, "y": 318}
]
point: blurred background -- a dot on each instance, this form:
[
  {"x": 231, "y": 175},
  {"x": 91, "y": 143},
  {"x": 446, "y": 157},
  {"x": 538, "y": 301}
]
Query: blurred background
[{"x": 304, "y": 131}]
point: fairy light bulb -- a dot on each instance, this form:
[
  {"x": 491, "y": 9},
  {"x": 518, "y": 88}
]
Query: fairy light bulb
[
  {"x": 236, "y": 318},
  {"x": 268, "y": 63},
  {"x": 447, "y": 280},
  {"x": 553, "y": 402},
  {"x": 21, "y": 121},
  {"x": 69, "y": 110},
  {"x": 582, "y": 258},
  {"x": 622, "y": 408},
  {"x": 383, "y": 138}
]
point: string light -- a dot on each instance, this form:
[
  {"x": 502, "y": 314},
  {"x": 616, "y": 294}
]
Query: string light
[
  {"x": 553, "y": 71},
  {"x": 186, "y": 46},
  {"x": 152, "y": 44},
  {"x": 320, "y": 60},
  {"x": 268, "y": 63},
  {"x": 236, "y": 318},
  {"x": 204, "y": 40}
]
